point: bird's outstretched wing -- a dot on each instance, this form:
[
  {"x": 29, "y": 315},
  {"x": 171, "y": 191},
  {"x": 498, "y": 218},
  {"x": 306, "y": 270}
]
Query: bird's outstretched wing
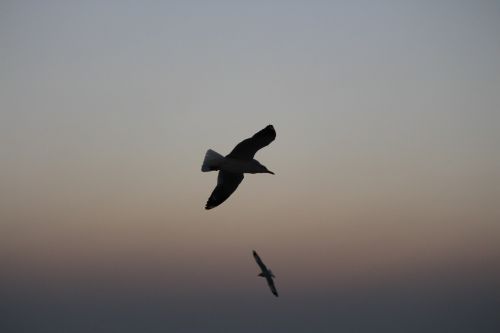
[
  {"x": 270, "y": 283},
  {"x": 259, "y": 262},
  {"x": 246, "y": 149},
  {"x": 227, "y": 182}
]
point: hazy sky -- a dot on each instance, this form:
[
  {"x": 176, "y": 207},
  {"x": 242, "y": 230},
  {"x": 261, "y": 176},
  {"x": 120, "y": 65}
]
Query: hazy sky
[{"x": 383, "y": 215}]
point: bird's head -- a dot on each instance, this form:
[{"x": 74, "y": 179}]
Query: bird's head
[
  {"x": 259, "y": 168},
  {"x": 268, "y": 171}
]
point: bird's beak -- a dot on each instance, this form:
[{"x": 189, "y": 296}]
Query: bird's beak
[{"x": 272, "y": 173}]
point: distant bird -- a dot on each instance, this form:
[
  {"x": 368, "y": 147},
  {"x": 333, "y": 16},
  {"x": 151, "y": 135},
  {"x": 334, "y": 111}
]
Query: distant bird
[
  {"x": 266, "y": 273},
  {"x": 232, "y": 167}
]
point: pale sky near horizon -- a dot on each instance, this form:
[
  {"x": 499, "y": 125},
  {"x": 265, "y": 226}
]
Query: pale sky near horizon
[{"x": 387, "y": 165}]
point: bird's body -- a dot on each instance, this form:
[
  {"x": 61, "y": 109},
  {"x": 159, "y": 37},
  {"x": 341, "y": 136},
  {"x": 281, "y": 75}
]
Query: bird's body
[
  {"x": 242, "y": 166},
  {"x": 238, "y": 162},
  {"x": 266, "y": 273}
]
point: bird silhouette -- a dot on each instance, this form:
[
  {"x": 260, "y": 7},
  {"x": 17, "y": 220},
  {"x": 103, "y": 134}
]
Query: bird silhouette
[
  {"x": 266, "y": 273},
  {"x": 232, "y": 167}
]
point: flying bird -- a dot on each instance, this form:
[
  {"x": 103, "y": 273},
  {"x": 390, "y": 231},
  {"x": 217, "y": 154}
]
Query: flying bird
[
  {"x": 266, "y": 273},
  {"x": 232, "y": 167}
]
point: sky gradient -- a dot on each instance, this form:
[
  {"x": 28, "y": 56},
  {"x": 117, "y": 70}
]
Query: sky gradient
[{"x": 383, "y": 215}]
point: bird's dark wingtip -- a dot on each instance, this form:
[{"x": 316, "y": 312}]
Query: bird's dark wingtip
[{"x": 210, "y": 204}]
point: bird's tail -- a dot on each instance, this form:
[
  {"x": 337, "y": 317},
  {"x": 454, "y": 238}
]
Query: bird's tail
[{"x": 212, "y": 161}]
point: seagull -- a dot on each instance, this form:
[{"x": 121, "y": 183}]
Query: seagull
[
  {"x": 232, "y": 167},
  {"x": 266, "y": 273}
]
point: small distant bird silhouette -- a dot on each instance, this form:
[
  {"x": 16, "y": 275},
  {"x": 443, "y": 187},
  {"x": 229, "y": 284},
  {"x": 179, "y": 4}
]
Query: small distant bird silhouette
[
  {"x": 232, "y": 167},
  {"x": 266, "y": 273}
]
